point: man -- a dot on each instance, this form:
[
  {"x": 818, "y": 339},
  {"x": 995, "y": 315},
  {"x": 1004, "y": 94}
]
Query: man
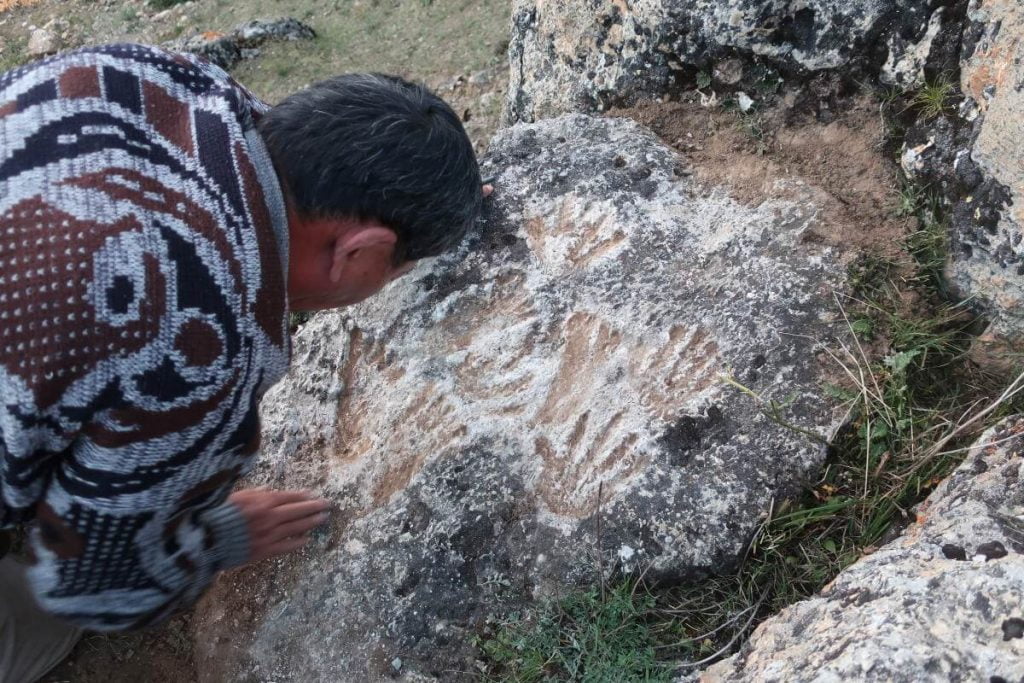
[{"x": 157, "y": 222}]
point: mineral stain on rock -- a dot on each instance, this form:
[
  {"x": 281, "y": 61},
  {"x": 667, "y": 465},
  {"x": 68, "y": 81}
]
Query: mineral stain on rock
[
  {"x": 993, "y": 550},
  {"x": 1013, "y": 628},
  {"x": 954, "y": 552}
]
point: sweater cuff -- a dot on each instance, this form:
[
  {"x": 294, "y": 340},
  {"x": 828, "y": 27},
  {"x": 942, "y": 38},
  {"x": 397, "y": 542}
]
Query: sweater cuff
[{"x": 230, "y": 536}]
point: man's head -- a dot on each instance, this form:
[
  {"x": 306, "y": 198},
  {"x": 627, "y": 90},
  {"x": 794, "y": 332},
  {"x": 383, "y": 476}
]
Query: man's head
[{"x": 379, "y": 173}]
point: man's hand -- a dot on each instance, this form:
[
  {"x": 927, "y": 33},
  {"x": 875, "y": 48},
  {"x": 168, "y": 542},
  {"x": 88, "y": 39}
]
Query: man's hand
[{"x": 279, "y": 521}]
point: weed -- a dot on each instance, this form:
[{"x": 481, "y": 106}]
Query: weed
[
  {"x": 703, "y": 80},
  {"x": 933, "y": 99},
  {"x": 590, "y": 635}
]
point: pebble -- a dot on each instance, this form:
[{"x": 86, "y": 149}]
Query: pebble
[
  {"x": 729, "y": 71},
  {"x": 41, "y": 43}
]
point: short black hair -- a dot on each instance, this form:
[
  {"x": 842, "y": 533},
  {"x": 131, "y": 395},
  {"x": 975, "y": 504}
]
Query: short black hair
[{"x": 373, "y": 146}]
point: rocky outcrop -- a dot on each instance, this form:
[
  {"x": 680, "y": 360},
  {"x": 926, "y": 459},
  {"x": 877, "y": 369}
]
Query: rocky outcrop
[
  {"x": 243, "y": 42},
  {"x": 975, "y": 158},
  {"x": 565, "y": 56},
  {"x": 988, "y": 261},
  {"x": 943, "y": 602},
  {"x": 479, "y": 422}
]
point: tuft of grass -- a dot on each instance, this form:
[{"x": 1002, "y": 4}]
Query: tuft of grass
[
  {"x": 591, "y": 635},
  {"x": 934, "y": 98}
]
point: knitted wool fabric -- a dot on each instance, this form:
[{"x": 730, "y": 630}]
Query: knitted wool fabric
[{"x": 143, "y": 250}]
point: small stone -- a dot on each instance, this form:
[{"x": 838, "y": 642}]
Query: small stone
[
  {"x": 728, "y": 72},
  {"x": 396, "y": 663},
  {"x": 954, "y": 552},
  {"x": 480, "y": 78},
  {"x": 745, "y": 102},
  {"x": 993, "y": 550},
  {"x": 41, "y": 43},
  {"x": 1013, "y": 628}
]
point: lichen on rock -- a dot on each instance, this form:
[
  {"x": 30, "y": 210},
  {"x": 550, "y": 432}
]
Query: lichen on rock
[
  {"x": 974, "y": 159},
  {"x": 565, "y": 56}
]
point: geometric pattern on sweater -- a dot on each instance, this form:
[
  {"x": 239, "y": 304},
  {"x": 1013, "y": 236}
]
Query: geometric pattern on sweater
[{"x": 143, "y": 252}]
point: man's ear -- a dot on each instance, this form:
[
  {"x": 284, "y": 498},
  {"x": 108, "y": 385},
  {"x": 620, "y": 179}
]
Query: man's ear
[{"x": 347, "y": 245}]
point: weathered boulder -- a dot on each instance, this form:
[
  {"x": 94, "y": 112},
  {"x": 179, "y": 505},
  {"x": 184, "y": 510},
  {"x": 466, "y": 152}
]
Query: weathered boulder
[
  {"x": 943, "y": 602},
  {"x": 581, "y": 55},
  {"x": 227, "y": 49},
  {"x": 975, "y": 158},
  {"x": 477, "y": 423}
]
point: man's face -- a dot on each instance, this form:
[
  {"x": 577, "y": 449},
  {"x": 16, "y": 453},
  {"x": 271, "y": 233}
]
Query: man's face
[{"x": 340, "y": 262}]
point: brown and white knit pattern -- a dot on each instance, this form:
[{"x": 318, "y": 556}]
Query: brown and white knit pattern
[{"x": 142, "y": 315}]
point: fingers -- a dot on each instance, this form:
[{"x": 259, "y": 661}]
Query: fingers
[
  {"x": 292, "y": 511},
  {"x": 286, "y": 546},
  {"x": 279, "y": 521},
  {"x": 488, "y": 189},
  {"x": 281, "y": 498},
  {"x": 296, "y": 528}
]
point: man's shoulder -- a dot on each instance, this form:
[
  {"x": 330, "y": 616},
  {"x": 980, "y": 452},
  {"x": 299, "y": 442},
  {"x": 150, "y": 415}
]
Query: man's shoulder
[{"x": 105, "y": 71}]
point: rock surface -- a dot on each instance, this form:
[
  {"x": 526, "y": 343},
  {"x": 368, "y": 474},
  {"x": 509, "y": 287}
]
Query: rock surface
[
  {"x": 227, "y": 49},
  {"x": 475, "y": 421},
  {"x": 975, "y": 158},
  {"x": 943, "y": 602},
  {"x": 565, "y": 56},
  {"x": 989, "y": 259}
]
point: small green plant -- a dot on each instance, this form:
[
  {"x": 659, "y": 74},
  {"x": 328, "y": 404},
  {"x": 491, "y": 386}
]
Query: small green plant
[
  {"x": 703, "y": 80},
  {"x": 590, "y": 636},
  {"x": 933, "y": 99}
]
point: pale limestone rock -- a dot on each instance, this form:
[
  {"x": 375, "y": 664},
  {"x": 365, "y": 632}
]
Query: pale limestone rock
[
  {"x": 465, "y": 421},
  {"x": 938, "y": 604}
]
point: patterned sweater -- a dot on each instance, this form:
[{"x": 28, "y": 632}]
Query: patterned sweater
[{"x": 143, "y": 250}]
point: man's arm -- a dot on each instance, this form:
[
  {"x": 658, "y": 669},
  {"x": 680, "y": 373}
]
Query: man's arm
[{"x": 109, "y": 569}]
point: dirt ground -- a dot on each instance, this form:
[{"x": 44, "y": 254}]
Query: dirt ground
[{"x": 780, "y": 152}]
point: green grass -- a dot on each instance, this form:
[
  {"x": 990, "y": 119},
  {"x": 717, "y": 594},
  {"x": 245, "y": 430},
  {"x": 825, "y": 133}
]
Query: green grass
[
  {"x": 14, "y": 54},
  {"x": 934, "y": 98},
  {"x": 390, "y": 37},
  {"x": 592, "y": 636},
  {"x": 914, "y": 402}
]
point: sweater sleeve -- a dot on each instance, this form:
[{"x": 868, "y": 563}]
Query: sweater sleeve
[{"x": 120, "y": 548}]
